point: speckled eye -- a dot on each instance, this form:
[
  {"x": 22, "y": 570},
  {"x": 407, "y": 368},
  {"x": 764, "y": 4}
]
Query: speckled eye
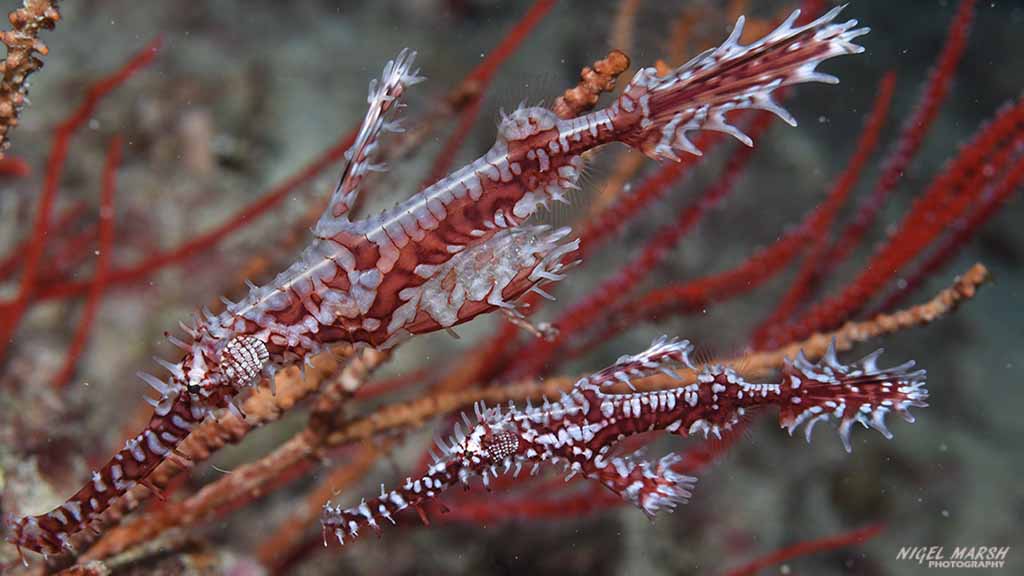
[
  {"x": 242, "y": 359},
  {"x": 502, "y": 445}
]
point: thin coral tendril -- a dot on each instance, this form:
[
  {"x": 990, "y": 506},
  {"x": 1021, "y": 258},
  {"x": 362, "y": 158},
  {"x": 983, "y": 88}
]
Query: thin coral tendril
[
  {"x": 99, "y": 282},
  {"x": 842, "y": 540},
  {"x": 841, "y": 190}
]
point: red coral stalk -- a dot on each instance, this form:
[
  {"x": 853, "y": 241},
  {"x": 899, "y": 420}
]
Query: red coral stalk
[
  {"x": 801, "y": 549},
  {"x": 950, "y": 196},
  {"x": 475, "y": 85},
  {"x": 99, "y": 281},
  {"x": 933, "y": 94},
  {"x": 818, "y": 233}
]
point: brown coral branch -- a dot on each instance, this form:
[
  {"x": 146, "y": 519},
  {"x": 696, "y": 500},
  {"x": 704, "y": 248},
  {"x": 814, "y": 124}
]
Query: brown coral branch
[
  {"x": 22, "y": 46},
  {"x": 281, "y": 547}
]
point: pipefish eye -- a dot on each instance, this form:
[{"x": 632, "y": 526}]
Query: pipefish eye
[
  {"x": 502, "y": 445},
  {"x": 242, "y": 359}
]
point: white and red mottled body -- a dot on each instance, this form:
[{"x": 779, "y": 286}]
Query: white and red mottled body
[
  {"x": 580, "y": 431},
  {"x": 451, "y": 252}
]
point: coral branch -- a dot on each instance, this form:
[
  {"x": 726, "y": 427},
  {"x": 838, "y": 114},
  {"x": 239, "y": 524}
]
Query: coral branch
[
  {"x": 594, "y": 81},
  {"x": 206, "y": 240},
  {"x": 950, "y": 197},
  {"x": 695, "y": 294},
  {"x": 22, "y": 46},
  {"x": 10, "y": 263},
  {"x": 933, "y": 94},
  {"x": 14, "y": 168},
  {"x": 800, "y": 287},
  {"x": 992, "y": 201},
  {"x": 99, "y": 282},
  {"x": 801, "y": 549}
]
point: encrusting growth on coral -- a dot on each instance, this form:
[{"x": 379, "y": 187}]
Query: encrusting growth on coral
[
  {"x": 594, "y": 81},
  {"x": 23, "y": 45}
]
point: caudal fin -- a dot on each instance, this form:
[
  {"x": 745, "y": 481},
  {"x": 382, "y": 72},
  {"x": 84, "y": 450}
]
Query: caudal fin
[
  {"x": 849, "y": 393},
  {"x": 733, "y": 76}
]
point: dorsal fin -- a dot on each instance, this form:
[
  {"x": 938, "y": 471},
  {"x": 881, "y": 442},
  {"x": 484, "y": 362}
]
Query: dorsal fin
[{"x": 383, "y": 97}]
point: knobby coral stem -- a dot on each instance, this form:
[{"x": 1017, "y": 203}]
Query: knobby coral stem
[{"x": 23, "y": 46}]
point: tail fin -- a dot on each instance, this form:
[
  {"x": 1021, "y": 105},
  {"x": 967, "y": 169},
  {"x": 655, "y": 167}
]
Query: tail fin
[
  {"x": 697, "y": 95},
  {"x": 857, "y": 392}
]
